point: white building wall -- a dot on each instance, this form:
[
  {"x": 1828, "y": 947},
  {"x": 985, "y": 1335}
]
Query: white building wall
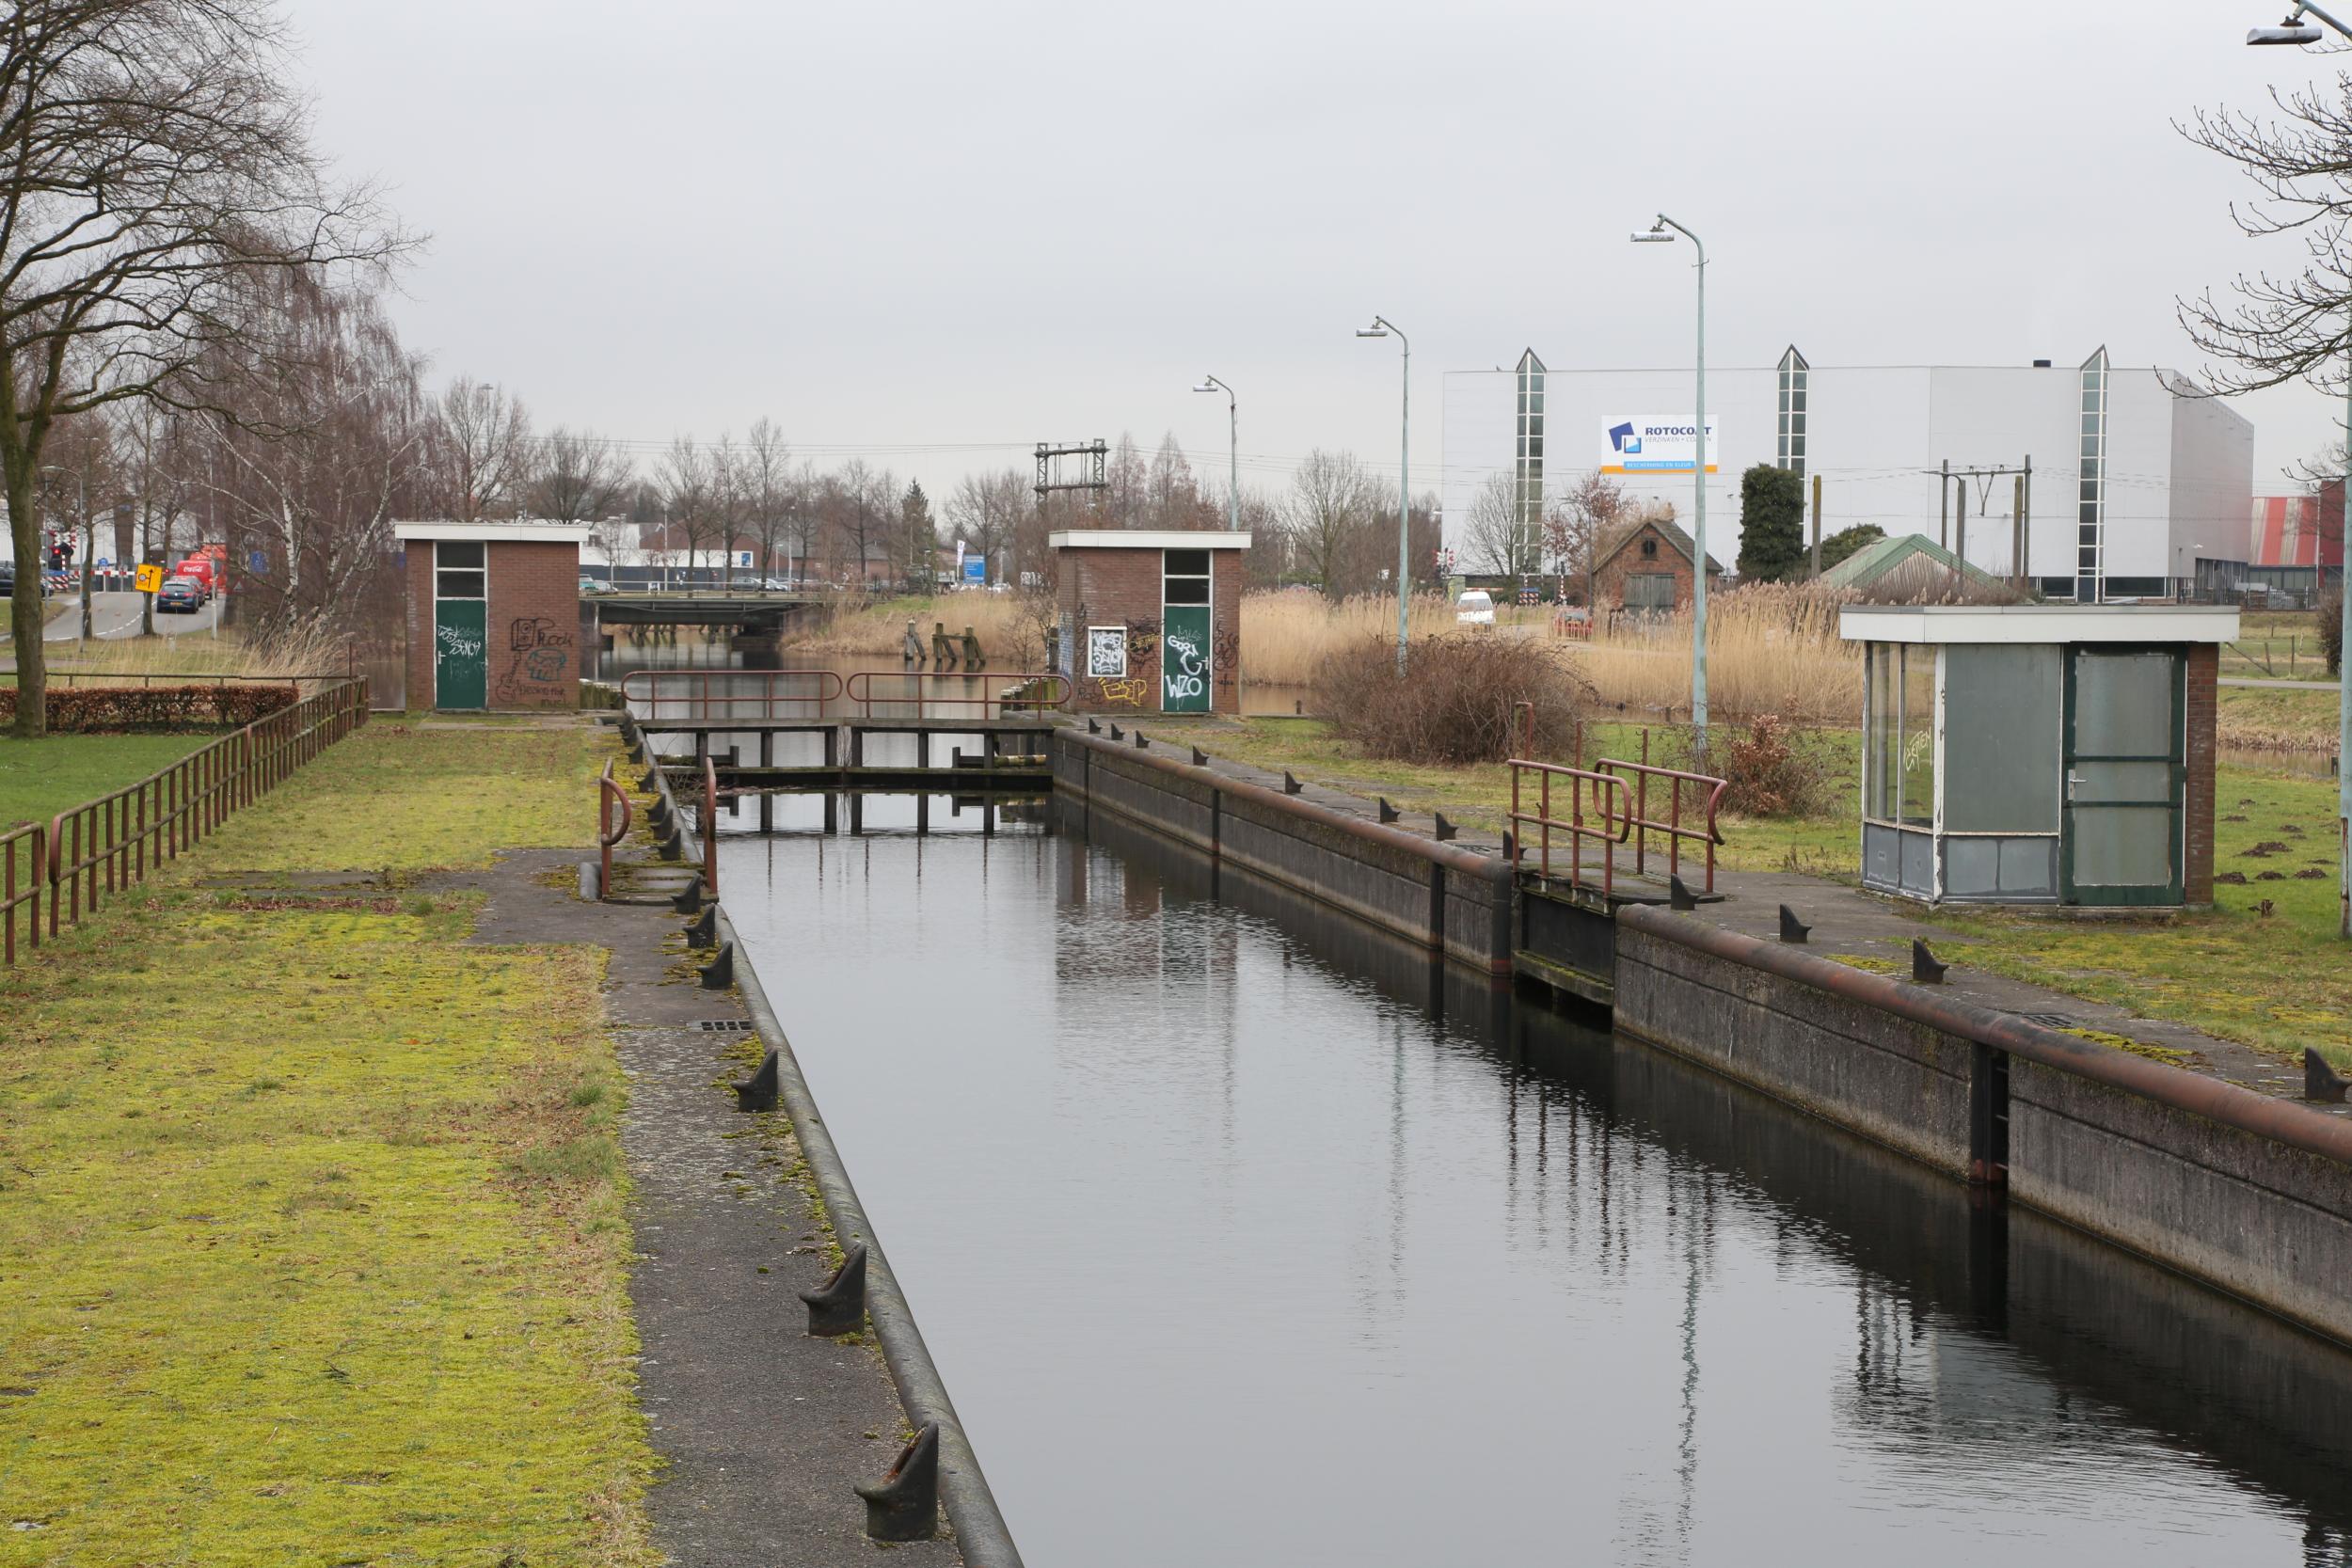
[{"x": 2180, "y": 471}]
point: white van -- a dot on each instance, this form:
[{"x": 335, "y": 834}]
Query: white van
[{"x": 1475, "y": 607}]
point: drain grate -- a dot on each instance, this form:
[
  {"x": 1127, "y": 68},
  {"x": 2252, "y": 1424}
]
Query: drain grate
[
  {"x": 2049, "y": 1020},
  {"x": 724, "y": 1026}
]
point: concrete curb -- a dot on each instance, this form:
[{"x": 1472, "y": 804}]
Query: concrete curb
[{"x": 981, "y": 1534}]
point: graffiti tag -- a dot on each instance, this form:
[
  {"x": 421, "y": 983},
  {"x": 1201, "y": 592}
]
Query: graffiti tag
[
  {"x": 1185, "y": 679},
  {"x": 1128, "y": 693}
]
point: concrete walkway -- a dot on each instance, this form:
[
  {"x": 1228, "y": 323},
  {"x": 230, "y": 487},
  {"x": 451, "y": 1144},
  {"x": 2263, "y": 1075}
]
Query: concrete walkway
[
  {"x": 764, "y": 1430},
  {"x": 1846, "y": 922}
]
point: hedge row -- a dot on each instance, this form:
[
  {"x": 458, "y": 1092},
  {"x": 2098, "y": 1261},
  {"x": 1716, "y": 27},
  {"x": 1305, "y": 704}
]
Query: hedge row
[{"x": 124, "y": 709}]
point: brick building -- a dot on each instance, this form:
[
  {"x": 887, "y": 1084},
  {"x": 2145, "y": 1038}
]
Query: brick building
[
  {"x": 1648, "y": 568},
  {"x": 1151, "y": 621},
  {"x": 492, "y": 612},
  {"x": 2039, "y": 754}
]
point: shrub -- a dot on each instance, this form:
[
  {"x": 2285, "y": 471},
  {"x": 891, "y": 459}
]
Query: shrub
[
  {"x": 1456, "y": 701},
  {"x": 126, "y": 710},
  {"x": 1772, "y": 771},
  {"x": 2330, "y": 610}
]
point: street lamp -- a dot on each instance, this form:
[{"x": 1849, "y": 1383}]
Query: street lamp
[
  {"x": 2294, "y": 29},
  {"x": 1233, "y": 412},
  {"x": 1381, "y": 327},
  {"x": 1657, "y": 234}
]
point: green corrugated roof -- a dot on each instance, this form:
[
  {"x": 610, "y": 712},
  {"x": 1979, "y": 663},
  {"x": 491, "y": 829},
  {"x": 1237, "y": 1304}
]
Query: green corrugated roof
[{"x": 1882, "y": 556}]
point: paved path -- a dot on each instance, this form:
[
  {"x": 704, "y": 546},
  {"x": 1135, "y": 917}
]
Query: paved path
[
  {"x": 764, "y": 1430},
  {"x": 117, "y": 615},
  {"x": 2261, "y": 683}
]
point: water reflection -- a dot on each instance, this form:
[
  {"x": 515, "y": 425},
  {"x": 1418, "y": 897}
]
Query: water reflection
[{"x": 1245, "y": 1234}]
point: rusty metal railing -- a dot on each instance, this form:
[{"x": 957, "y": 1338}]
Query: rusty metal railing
[
  {"x": 608, "y": 794},
  {"x": 92, "y": 851},
  {"x": 1577, "y": 824},
  {"x": 1027, "y": 692},
  {"x": 709, "y": 826},
  {"x": 687, "y": 696},
  {"x": 1672, "y": 826}
]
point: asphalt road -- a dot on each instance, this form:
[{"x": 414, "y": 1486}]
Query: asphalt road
[{"x": 113, "y": 615}]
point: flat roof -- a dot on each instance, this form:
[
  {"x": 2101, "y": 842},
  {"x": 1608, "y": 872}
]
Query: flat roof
[
  {"x": 2038, "y": 622},
  {"x": 1148, "y": 539},
  {"x": 541, "y": 533}
]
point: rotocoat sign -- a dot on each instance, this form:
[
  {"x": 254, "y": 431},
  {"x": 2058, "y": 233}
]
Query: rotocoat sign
[{"x": 1653, "y": 444}]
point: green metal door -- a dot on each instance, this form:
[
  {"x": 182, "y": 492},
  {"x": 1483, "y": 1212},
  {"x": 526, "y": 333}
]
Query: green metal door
[
  {"x": 461, "y": 649},
  {"x": 2126, "y": 776},
  {"x": 1184, "y": 659}
]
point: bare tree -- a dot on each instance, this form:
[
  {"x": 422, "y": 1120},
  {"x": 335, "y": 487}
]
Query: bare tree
[
  {"x": 767, "y": 489},
  {"x": 727, "y": 501},
  {"x": 685, "y": 481},
  {"x": 2285, "y": 325},
  {"x": 485, "y": 452},
  {"x": 1330, "y": 505},
  {"x": 1576, "y": 523},
  {"x": 985, "y": 511},
  {"x": 154, "y": 166},
  {"x": 579, "y": 476},
  {"x": 1496, "y": 538}
]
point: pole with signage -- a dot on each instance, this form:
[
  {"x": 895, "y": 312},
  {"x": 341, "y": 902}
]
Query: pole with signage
[{"x": 1698, "y": 485}]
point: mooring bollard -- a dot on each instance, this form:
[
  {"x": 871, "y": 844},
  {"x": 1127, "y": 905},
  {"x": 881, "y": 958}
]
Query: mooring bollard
[
  {"x": 1093, "y": 728},
  {"x": 2321, "y": 1082},
  {"x": 1925, "y": 967},
  {"x": 670, "y": 844},
  {"x": 1388, "y": 811},
  {"x": 690, "y": 899},
  {"x": 838, "y": 1306},
  {"x": 759, "y": 1092},
  {"x": 706, "y": 931},
  {"x": 1791, "y": 928},
  {"x": 1118, "y": 734},
  {"x": 1445, "y": 830},
  {"x": 904, "y": 1504},
  {"x": 650, "y": 782},
  {"x": 719, "y": 973},
  {"x": 1290, "y": 786},
  {"x": 1199, "y": 757},
  {"x": 1140, "y": 742},
  {"x": 1678, "y": 894}
]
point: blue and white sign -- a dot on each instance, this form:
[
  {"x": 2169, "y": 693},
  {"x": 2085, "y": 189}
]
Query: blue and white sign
[
  {"x": 257, "y": 564},
  {"x": 975, "y": 570},
  {"x": 742, "y": 558},
  {"x": 1655, "y": 444}
]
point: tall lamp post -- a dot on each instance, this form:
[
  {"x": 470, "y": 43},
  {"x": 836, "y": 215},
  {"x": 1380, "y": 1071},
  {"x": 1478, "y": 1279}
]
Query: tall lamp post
[
  {"x": 2294, "y": 29},
  {"x": 1657, "y": 234},
  {"x": 1232, "y": 416},
  {"x": 1381, "y": 327}
]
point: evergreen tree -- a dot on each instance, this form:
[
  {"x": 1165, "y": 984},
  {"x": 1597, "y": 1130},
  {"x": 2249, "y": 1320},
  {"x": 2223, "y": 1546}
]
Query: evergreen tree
[
  {"x": 922, "y": 536},
  {"x": 1771, "y": 525},
  {"x": 1847, "y": 541}
]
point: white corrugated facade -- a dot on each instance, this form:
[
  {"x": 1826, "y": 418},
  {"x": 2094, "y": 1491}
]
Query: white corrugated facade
[{"x": 2135, "y": 486}]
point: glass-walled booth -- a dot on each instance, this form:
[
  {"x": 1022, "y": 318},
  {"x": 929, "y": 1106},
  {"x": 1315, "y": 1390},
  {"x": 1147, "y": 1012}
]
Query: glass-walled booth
[{"x": 2039, "y": 754}]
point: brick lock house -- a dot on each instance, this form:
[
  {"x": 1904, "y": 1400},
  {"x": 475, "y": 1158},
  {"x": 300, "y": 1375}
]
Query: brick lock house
[
  {"x": 1648, "y": 569},
  {"x": 1150, "y": 620},
  {"x": 492, "y": 612}
]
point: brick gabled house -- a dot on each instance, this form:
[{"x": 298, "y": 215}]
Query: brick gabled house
[{"x": 1648, "y": 569}]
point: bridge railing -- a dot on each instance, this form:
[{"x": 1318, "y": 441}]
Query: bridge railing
[
  {"x": 701, "y": 696},
  {"x": 1605, "y": 823},
  {"x": 946, "y": 694},
  {"x": 92, "y": 851}
]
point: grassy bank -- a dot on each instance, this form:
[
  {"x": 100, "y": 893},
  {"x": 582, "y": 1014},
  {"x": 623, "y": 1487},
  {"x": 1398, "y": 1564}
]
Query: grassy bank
[
  {"x": 39, "y": 778},
  {"x": 2267, "y": 719},
  {"x": 311, "y": 1246}
]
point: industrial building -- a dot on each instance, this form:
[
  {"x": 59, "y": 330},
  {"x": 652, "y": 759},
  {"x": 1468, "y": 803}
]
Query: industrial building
[{"x": 2138, "y": 490}]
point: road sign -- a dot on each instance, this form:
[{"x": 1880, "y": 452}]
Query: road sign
[
  {"x": 105, "y": 564},
  {"x": 975, "y": 570},
  {"x": 742, "y": 558},
  {"x": 257, "y": 564},
  {"x": 148, "y": 579}
]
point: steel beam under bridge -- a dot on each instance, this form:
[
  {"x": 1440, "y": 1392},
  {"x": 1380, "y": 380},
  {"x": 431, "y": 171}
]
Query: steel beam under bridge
[{"x": 768, "y": 611}]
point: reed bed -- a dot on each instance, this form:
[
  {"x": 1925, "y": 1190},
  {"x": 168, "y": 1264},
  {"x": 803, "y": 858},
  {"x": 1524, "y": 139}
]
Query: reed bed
[
  {"x": 1772, "y": 648},
  {"x": 876, "y": 628},
  {"x": 308, "y": 649},
  {"x": 1287, "y": 635}
]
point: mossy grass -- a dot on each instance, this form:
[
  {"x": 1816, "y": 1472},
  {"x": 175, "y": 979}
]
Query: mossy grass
[{"x": 40, "y": 778}]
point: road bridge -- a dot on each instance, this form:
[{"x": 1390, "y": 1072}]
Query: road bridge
[{"x": 698, "y": 607}]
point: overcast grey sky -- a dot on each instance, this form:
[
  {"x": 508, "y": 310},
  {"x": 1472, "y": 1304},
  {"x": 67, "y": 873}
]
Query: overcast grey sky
[{"x": 933, "y": 234}]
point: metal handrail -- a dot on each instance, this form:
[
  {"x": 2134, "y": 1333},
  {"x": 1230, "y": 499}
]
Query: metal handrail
[
  {"x": 106, "y": 846},
  {"x": 609, "y": 793},
  {"x": 859, "y": 688},
  {"x": 1643, "y": 825},
  {"x": 1574, "y": 824},
  {"x": 643, "y": 686},
  {"x": 710, "y": 827}
]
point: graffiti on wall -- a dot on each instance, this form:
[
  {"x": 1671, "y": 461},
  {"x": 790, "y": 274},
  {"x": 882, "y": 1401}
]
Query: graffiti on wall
[
  {"x": 1143, "y": 641},
  {"x": 1106, "y": 652},
  {"x": 1227, "y": 641},
  {"x": 1187, "y": 672},
  {"x": 539, "y": 660},
  {"x": 1124, "y": 693}
]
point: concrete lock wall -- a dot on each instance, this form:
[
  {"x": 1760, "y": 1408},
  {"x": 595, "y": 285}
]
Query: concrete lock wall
[
  {"x": 1430, "y": 893},
  {"x": 2253, "y": 1214}
]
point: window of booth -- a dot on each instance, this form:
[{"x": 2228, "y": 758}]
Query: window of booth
[{"x": 460, "y": 569}]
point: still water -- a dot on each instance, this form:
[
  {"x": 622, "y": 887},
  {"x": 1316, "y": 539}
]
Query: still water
[{"x": 1241, "y": 1236}]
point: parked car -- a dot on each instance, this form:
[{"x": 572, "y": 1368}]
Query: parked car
[
  {"x": 202, "y": 570},
  {"x": 1475, "y": 607},
  {"x": 593, "y": 585},
  {"x": 178, "y": 596}
]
